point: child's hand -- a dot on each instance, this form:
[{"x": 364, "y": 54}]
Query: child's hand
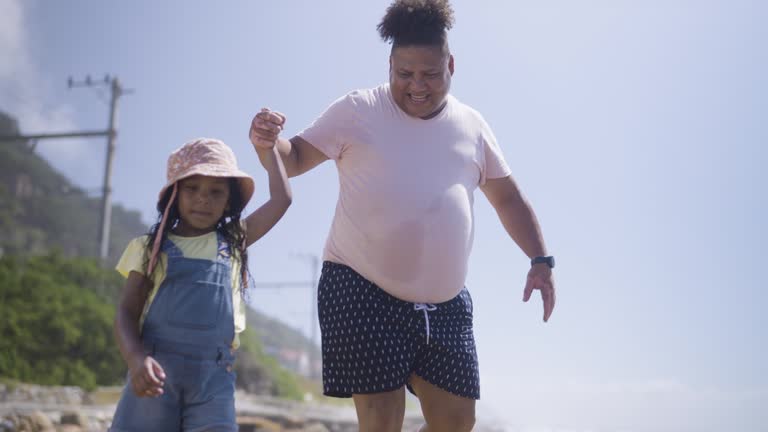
[
  {"x": 147, "y": 378},
  {"x": 265, "y": 128}
]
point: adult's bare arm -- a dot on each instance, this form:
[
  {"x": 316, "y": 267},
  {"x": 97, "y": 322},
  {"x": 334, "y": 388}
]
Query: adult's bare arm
[{"x": 520, "y": 222}]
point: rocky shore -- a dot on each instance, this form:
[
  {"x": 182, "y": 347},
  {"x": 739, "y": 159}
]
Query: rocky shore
[{"x": 32, "y": 408}]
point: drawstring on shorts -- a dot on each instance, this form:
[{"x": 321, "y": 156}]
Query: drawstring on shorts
[{"x": 426, "y": 307}]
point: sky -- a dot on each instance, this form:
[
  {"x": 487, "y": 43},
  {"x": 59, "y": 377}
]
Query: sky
[{"x": 636, "y": 129}]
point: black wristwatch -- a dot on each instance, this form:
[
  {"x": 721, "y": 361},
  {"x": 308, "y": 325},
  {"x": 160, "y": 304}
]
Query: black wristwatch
[{"x": 548, "y": 260}]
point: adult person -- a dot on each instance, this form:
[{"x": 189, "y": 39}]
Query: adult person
[{"x": 393, "y": 308}]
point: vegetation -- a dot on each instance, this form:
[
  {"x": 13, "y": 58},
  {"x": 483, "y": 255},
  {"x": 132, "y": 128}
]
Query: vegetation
[
  {"x": 57, "y": 321},
  {"x": 57, "y": 328},
  {"x": 260, "y": 373},
  {"x": 41, "y": 209},
  {"x": 274, "y": 334}
]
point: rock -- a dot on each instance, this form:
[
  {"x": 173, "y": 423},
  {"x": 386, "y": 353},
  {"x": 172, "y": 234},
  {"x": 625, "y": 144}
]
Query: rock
[
  {"x": 286, "y": 420},
  {"x": 315, "y": 427},
  {"x": 76, "y": 418},
  {"x": 40, "y": 422},
  {"x": 66, "y": 395},
  {"x": 33, "y": 422},
  {"x": 7, "y": 425},
  {"x": 257, "y": 424},
  {"x": 69, "y": 428}
]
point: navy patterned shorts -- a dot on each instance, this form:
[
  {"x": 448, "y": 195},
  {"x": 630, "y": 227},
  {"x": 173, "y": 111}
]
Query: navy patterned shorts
[{"x": 373, "y": 342}]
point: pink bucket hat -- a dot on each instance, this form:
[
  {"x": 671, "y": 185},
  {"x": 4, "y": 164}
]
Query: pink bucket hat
[
  {"x": 202, "y": 156},
  {"x": 208, "y": 157}
]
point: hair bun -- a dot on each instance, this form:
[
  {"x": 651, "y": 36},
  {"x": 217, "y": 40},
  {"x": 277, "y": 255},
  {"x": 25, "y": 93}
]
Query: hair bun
[{"x": 416, "y": 22}]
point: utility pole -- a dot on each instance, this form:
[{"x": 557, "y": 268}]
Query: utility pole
[
  {"x": 105, "y": 217},
  {"x": 111, "y": 133}
]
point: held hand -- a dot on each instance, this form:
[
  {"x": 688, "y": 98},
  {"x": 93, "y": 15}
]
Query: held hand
[
  {"x": 147, "y": 378},
  {"x": 540, "y": 278},
  {"x": 265, "y": 129}
]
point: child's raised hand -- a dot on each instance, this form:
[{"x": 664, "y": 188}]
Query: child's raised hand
[
  {"x": 265, "y": 128},
  {"x": 147, "y": 378}
]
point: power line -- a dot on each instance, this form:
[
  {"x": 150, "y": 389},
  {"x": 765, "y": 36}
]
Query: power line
[
  {"x": 314, "y": 261},
  {"x": 116, "y": 90}
]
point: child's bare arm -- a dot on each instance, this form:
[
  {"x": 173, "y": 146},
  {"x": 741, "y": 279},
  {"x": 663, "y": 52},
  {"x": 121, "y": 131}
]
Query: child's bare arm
[
  {"x": 147, "y": 375},
  {"x": 265, "y": 217}
]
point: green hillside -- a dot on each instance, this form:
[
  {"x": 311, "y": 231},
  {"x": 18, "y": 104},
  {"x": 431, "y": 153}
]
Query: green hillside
[{"x": 41, "y": 209}]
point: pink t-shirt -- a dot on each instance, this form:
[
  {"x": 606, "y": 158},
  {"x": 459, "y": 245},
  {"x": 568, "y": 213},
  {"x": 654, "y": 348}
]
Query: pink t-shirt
[{"x": 404, "y": 217}]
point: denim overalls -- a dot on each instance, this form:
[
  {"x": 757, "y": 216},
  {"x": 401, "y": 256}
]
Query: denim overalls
[{"x": 189, "y": 330}]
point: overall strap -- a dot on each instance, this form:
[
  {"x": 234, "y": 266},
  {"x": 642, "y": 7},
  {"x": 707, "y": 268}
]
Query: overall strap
[
  {"x": 170, "y": 249},
  {"x": 223, "y": 252}
]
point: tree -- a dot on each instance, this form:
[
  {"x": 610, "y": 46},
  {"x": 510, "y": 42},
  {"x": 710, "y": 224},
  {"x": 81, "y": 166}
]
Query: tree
[{"x": 57, "y": 321}]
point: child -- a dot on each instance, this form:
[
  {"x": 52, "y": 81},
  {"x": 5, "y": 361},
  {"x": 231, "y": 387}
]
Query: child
[{"x": 182, "y": 305}]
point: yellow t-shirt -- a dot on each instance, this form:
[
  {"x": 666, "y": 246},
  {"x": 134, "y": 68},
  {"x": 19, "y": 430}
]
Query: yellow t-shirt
[{"x": 200, "y": 247}]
